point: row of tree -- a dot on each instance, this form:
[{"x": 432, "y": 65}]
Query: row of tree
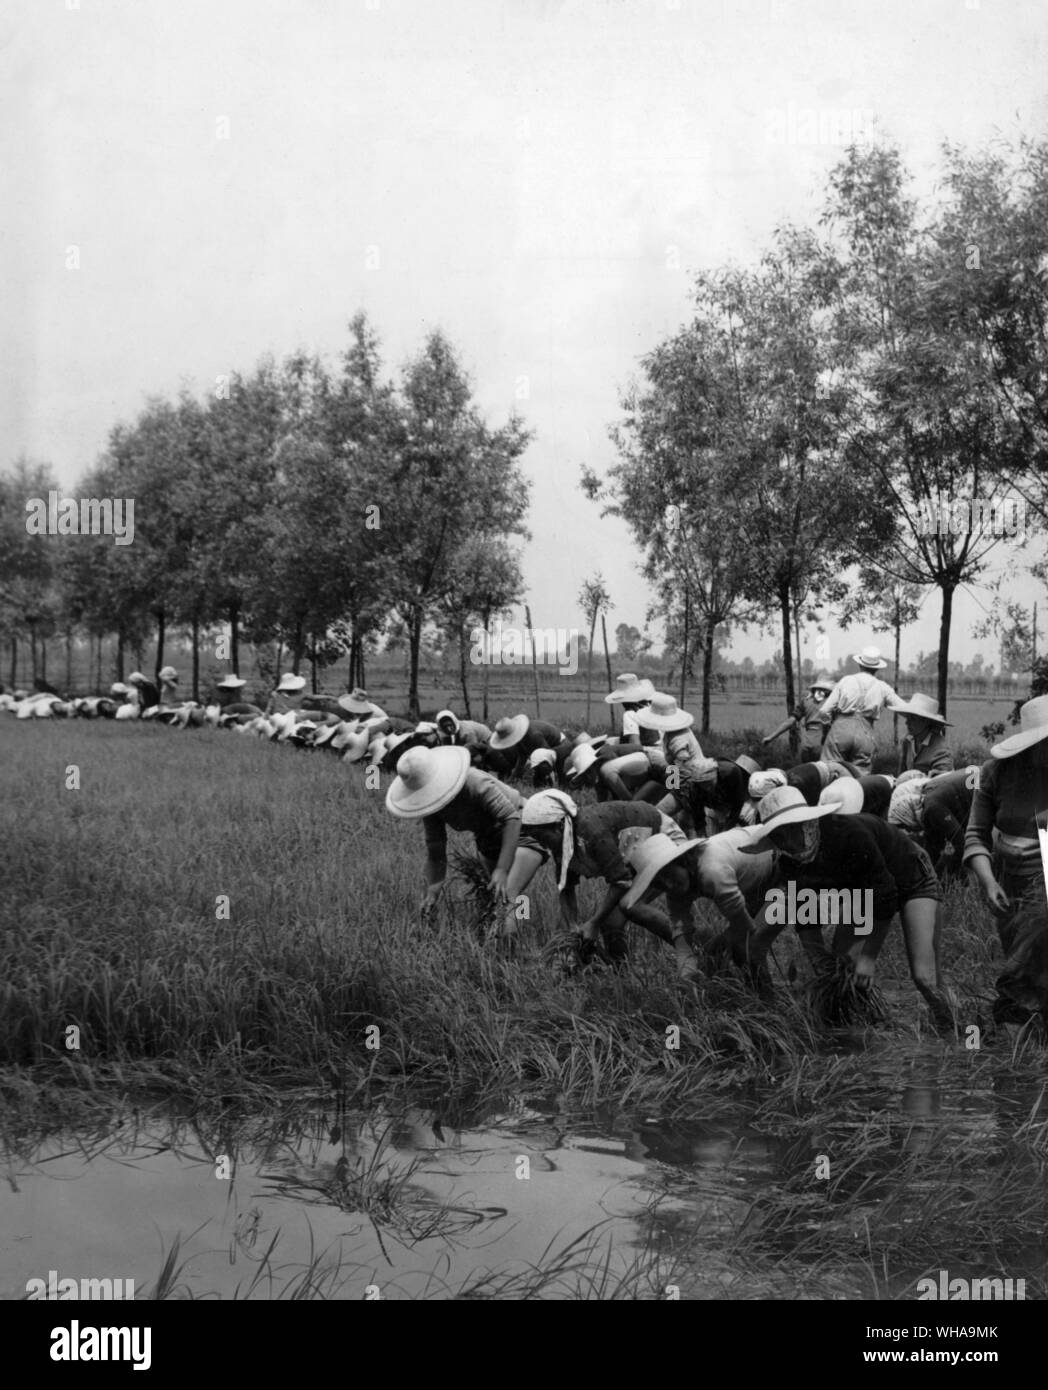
[
  {"x": 819, "y": 407},
  {"x": 295, "y": 506}
]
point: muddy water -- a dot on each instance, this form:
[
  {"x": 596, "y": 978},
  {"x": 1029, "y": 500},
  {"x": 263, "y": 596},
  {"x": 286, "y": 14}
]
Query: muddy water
[{"x": 721, "y": 1205}]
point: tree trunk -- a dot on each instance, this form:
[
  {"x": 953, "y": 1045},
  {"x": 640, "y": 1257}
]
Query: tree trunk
[
  {"x": 607, "y": 664},
  {"x": 313, "y": 663},
  {"x": 14, "y": 662},
  {"x": 350, "y": 682},
  {"x": 944, "y": 645},
  {"x": 280, "y": 657},
  {"x": 487, "y": 660},
  {"x": 707, "y": 673},
  {"x": 787, "y": 655},
  {"x": 797, "y": 645},
  {"x": 43, "y": 658},
  {"x": 414, "y": 649},
  {"x": 362, "y": 678},
  {"x": 32, "y": 652},
  {"x": 69, "y": 661},
  {"x": 464, "y": 671},
  {"x": 161, "y": 623},
  {"x": 895, "y": 682},
  {"x": 589, "y": 666},
  {"x": 98, "y": 666},
  {"x": 296, "y": 654},
  {"x": 234, "y": 637},
  {"x": 684, "y": 649},
  {"x": 196, "y": 656},
  {"x": 120, "y": 654}
]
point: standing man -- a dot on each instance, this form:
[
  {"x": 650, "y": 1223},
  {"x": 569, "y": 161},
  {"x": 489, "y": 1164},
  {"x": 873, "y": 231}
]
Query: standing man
[{"x": 851, "y": 710}]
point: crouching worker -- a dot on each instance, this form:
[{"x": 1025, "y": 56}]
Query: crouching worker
[
  {"x": 725, "y": 869},
  {"x": 589, "y": 843},
  {"x": 869, "y": 870},
  {"x": 439, "y": 787}
]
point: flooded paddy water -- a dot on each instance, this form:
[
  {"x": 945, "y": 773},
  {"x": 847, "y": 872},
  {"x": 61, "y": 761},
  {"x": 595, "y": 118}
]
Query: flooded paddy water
[{"x": 884, "y": 1160}]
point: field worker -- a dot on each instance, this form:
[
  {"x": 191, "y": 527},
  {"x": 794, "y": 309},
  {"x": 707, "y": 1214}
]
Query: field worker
[
  {"x": 924, "y": 749},
  {"x": 661, "y": 723},
  {"x": 584, "y": 767},
  {"x": 812, "y": 779},
  {"x": 357, "y": 704},
  {"x": 821, "y": 849},
  {"x": 463, "y": 733},
  {"x": 439, "y": 787},
  {"x": 286, "y": 697},
  {"x": 126, "y": 698},
  {"x": 1001, "y": 844},
  {"x": 851, "y": 710},
  {"x": 630, "y": 694},
  {"x": 546, "y": 766},
  {"x": 148, "y": 694},
  {"x": 715, "y": 868},
  {"x": 934, "y": 812},
  {"x": 807, "y": 717},
  {"x": 758, "y": 787},
  {"x": 519, "y": 736},
  {"x": 228, "y": 695},
  {"x": 709, "y": 794},
  {"x": 589, "y": 843},
  {"x": 169, "y": 696}
]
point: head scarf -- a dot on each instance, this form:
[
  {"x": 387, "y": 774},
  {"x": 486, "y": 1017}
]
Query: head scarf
[
  {"x": 906, "y": 809},
  {"x": 547, "y": 808},
  {"x": 761, "y": 783}
]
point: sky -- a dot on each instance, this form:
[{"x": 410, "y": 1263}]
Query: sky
[{"x": 539, "y": 179}]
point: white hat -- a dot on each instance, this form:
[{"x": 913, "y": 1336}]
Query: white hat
[
  {"x": 427, "y": 779},
  {"x": 356, "y": 702},
  {"x": 1033, "y": 727},
  {"x": 906, "y": 809},
  {"x": 663, "y": 713},
  {"x": 580, "y": 760},
  {"x": 648, "y": 857},
  {"x": 542, "y": 755},
  {"x": 231, "y": 682},
  {"x": 629, "y": 690},
  {"x": 135, "y": 677},
  {"x": 823, "y": 681},
  {"x": 922, "y": 705},
  {"x": 354, "y": 746},
  {"x": 787, "y": 806},
  {"x": 509, "y": 732},
  {"x": 448, "y": 714},
  {"x": 291, "y": 682},
  {"x": 168, "y": 673},
  {"x": 845, "y": 796},
  {"x": 761, "y": 783},
  {"x": 870, "y": 659},
  {"x": 118, "y": 688}
]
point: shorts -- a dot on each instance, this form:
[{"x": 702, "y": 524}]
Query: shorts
[
  {"x": 527, "y": 841},
  {"x": 925, "y": 883}
]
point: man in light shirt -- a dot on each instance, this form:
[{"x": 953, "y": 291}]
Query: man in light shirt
[{"x": 851, "y": 710}]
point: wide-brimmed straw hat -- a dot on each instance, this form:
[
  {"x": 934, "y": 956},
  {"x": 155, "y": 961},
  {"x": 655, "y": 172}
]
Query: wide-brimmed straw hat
[
  {"x": 823, "y": 681},
  {"x": 509, "y": 731},
  {"x": 354, "y": 746},
  {"x": 870, "y": 659},
  {"x": 427, "y": 779},
  {"x": 664, "y": 713},
  {"x": 356, "y": 702},
  {"x": 291, "y": 682},
  {"x": 135, "y": 677},
  {"x": 845, "y": 796},
  {"x": 542, "y": 755},
  {"x": 580, "y": 760},
  {"x": 647, "y": 857},
  {"x": 118, "y": 688},
  {"x": 924, "y": 706},
  {"x": 629, "y": 689},
  {"x": 1033, "y": 727},
  {"x": 168, "y": 673},
  {"x": 787, "y": 806},
  {"x": 233, "y": 683}
]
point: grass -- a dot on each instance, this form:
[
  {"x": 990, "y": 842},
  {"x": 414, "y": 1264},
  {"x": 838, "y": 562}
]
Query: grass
[{"x": 113, "y": 923}]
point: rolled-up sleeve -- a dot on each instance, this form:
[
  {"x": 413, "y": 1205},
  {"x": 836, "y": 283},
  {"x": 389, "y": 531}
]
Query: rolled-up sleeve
[
  {"x": 978, "y": 837},
  {"x": 493, "y": 803}
]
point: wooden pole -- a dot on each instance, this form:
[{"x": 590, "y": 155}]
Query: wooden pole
[
  {"x": 607, "y": 664},
  {"x": 534, "y": 662}
]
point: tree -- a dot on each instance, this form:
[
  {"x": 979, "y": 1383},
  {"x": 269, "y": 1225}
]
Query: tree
[
  {"x": 628, "y": 641},
  {"x": 483, "y": 580}
]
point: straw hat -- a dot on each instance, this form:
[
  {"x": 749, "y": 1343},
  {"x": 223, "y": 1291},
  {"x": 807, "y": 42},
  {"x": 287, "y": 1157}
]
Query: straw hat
[
  {"x": 135, "y": 678},
  {"x": 787, "y": 806},
  {"x": 750, "y": 765},
  {"x": 168, "y": 673},
  {"x": 581, "y": 760},
  {"x": 845, "y": 796},
  {"x": 1033, "y": 727},
  {"x": 648, "y": 857},
  {"x": 354, "y": 746},
  {"x": 118, "y": 688},
  {"x": 231, "y": 683},
  {"x": 427, "y": 779},
  {"x": 761, "y": 783},
  {"x": 629, "y": 689},
  {"x": 356, "y": 702},
  {"x": 924, "y": 706},
  {"x": 823, "y": 681},
  {"x": 509, "y": 732},
  {"x": 542, "y": 755},
  {"x": 664, "y": 713},
  {"x": 870, "y": 659},
  {"x": 290, "y": 682}
]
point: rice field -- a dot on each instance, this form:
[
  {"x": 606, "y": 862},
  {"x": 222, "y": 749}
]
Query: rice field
[{"x": 226, "y": 932}]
